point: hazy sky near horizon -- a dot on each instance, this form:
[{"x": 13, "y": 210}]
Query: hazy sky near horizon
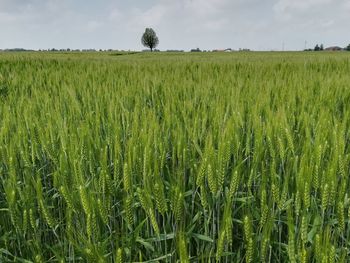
[{"x": 179, "y": 24}]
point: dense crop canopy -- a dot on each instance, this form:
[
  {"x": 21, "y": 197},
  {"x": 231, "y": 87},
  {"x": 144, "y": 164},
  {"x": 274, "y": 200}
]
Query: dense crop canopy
[{"x": 177, "y": 158}]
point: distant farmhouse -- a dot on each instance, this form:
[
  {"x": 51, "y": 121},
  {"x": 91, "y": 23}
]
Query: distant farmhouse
[
  {"x": 334, "y": 48},
  {"x": 223, "y": 50}
]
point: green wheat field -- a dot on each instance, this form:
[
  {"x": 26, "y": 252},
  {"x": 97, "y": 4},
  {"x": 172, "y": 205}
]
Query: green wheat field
[{"x": 212, "y": 157}]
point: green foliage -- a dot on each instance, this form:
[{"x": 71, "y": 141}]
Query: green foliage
[
  {"x": 174, "y": 158},
  {"x": 150, "y": 39}
]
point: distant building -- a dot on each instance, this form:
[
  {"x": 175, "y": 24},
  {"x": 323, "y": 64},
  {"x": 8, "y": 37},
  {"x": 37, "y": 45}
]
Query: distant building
[
  {"x": 334, "y": 48},
  {"x": 222, "y": 50}
]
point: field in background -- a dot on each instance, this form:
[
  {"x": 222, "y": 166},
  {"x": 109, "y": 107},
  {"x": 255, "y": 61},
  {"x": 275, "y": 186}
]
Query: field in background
[{"x": 225, "y": 157}]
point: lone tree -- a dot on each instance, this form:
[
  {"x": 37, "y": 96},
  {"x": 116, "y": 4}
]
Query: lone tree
[{"x": 149, "y": 39}]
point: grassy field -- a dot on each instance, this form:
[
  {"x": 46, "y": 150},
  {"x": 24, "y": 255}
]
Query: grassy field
[{"x": 239, "y": 157}]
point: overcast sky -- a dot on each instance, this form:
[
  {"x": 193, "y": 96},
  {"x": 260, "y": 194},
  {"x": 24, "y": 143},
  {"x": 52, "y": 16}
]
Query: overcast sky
[{"x": 179, "y": 24}]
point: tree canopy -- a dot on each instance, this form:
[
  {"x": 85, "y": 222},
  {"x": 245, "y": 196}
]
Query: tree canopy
[{"x": 150, "y": 39}]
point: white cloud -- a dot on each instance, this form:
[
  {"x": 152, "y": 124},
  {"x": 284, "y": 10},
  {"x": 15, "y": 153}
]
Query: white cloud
[
  {"x": 205, "y": 7},
  {"x": 298, "y": 5},
  {"x": 153, "y": 16},
  {"x": 115, "y": 15},
  {"x": 347, "y": 5},
  {"x": 93, "y": 25},
  {"x": 327, "y": 24},
  {"x": 181, "y": 24}
]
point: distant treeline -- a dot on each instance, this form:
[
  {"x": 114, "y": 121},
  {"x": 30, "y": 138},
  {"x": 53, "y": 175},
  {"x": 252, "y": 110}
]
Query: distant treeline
[
  {"x": 318, "y": 47},
  {"x": 332, "y": 48},
  {"x": 62, "y": 50}
]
